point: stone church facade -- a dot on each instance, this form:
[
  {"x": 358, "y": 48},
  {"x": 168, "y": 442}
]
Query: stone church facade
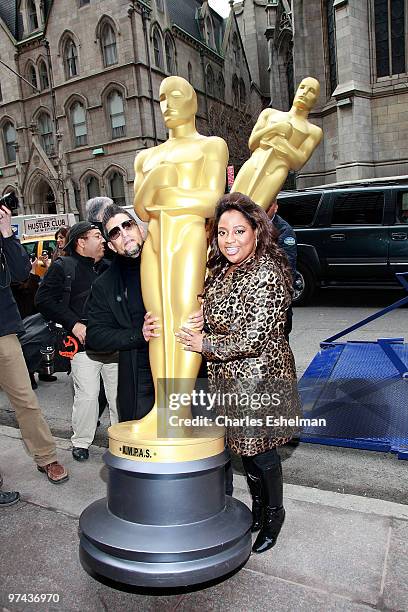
[
  {"x": 87, "y": 98},
  {"x": 358, "y": 49}
]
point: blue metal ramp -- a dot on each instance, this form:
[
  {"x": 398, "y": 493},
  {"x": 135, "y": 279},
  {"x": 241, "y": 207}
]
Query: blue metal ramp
[{"x": 360, "y": 389}]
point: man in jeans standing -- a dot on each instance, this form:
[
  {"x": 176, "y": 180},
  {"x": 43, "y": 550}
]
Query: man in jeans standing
[
  {"x": 66, "y": 303},
  {"x": 14, "y": 379}
]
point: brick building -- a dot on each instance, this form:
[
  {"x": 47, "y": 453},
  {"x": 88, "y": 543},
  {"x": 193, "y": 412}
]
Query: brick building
[{"x": 88, "y": 101}]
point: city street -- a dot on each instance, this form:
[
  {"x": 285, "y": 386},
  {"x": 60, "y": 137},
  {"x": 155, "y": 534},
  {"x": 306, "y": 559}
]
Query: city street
[
  {"x": 331, "y": 468},
  {"x": 353, "y": 501}
]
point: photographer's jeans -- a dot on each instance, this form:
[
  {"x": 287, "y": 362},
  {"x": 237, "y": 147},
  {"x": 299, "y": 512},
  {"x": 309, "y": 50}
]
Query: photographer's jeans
[
  {"x": 15, "y": 381},
  {"x": 86, "y": 375}
]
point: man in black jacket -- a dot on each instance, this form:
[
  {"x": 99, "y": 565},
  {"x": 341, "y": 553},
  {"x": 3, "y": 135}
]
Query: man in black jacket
[
  {"x": 86, "y": 248},
  {"x": 14, "y": 379},
  {"x": 116, "y": 315}
]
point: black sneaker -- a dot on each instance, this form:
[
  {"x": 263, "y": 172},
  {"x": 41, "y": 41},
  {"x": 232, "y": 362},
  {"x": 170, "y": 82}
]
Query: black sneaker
[
  {"x": 80, "y": 454},
  {"x": 47, "y": 378},
  {"x": 8, "y": 498}
]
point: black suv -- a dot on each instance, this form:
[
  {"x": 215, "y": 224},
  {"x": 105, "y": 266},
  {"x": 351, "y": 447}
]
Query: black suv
[{"x": 350, "y": 235}]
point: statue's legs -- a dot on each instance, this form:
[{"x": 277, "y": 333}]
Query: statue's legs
[
  {"x": 182, "y": 281},
  {"x": 262, "y": 177},
  {"x": 266, "y": 191},
  {"x": 244, "y": 177},
  {"x": 187, "y": 280}
]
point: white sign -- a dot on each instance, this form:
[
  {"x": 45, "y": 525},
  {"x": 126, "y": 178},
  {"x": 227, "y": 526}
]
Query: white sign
[{"x": 44, "y": 225}]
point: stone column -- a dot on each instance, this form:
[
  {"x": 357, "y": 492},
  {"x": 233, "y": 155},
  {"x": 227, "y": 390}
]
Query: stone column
[{"x": 353, "y": 91}]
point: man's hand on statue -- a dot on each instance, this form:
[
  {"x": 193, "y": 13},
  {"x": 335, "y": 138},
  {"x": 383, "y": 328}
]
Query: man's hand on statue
[
  {"x": 191, "y": 339},
  {"x": 150, "y": 327},
  {"x": 195, "y": 320}
]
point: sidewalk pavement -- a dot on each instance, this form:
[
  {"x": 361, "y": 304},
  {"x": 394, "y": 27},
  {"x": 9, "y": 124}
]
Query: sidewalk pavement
[{"x": 335, "y": 552}]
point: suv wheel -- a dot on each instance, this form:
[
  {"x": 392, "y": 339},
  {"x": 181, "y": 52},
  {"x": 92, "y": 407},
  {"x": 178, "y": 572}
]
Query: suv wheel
[{"x": 304, "y": 285}]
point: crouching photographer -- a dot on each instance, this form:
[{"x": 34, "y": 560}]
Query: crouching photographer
[{"x": 14, "y": 379}]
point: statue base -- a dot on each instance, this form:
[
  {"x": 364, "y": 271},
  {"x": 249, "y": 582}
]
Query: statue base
[{"x": 165, "y": 525}]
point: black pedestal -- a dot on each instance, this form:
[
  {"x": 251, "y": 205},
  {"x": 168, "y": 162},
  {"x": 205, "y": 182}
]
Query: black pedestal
[{"x": 165, "y": 525}]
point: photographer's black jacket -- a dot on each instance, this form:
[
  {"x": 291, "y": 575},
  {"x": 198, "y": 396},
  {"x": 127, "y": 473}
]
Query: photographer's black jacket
[
  {"x": 50, "y": 295},
  {"x": 15, "y": 266},
  {"x": 116, "y": 314}
]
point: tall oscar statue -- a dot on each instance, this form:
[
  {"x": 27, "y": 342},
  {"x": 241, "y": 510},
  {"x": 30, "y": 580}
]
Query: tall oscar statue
[
  {"x": 279, "y": 142},
  {"x": 167, "y": 521},
  {"x": 177, "y": 185}
]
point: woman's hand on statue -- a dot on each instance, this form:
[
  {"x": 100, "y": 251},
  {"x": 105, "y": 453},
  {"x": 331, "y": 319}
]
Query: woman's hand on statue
[
  {"x": 150, "y": 327},
  {"x": 195, "y": 321},
  {"x": 191, "y": 339}
]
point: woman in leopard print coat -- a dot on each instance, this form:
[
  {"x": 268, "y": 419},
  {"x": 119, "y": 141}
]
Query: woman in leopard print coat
[{"x": 247, "y": 294}]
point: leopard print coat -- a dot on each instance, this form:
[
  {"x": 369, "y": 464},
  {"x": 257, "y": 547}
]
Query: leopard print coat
[{"x": 244, "y": 315}]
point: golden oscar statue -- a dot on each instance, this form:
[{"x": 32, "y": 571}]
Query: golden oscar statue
[
  {"x": 177, "y": 185},
  {"x": 279, "y": 142}
]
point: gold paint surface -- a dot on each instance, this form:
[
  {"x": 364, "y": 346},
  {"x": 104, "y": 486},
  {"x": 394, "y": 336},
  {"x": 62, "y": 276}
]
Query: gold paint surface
[
  {"x": 280, "y": 141},
  {"x": 123, "y": 443},
  {"x": 177, "y": 185}
]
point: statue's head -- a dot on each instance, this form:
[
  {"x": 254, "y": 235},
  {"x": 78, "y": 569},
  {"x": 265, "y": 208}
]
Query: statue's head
[
  {"x": 307, "y": 94},
  {"x": 178, "y": 101}
]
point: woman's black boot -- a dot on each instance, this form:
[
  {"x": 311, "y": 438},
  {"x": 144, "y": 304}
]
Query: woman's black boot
[
  {"x": 255, "y": 488},
  {"x": 253, "y": 478},
  {"x": 274, "y": 512}
]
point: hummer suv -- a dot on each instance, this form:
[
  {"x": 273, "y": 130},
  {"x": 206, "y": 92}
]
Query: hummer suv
[{"x": 353, "y": 235}]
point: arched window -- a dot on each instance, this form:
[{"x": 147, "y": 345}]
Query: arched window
[
  {"x": 235, "y": 91},
  {"x": 78, "y": 121},
  {"x": 46, "y": 132},
  {"x": 117, "y": 114},
  {"x": 221, "y": 87},
  {"x": 9, "y": 134},
  {"x": 210, "y": 81},
  {"x": 117, "y": 189},
  {"x": 169, "y": 50},
  {"x": 236, "y": 49},
  {"x": 32, "y": 77},
  {"x": 242, "y": 92},
  {"x": 43, "y": 73},
  {"x": 109, "y": 50},
  {"x": 190, "y": 73},
  {"x": 157, "y": 49},
  {"x": 93, "y": 189},
  {"x": 32, "y": 15},
  {"x": 70, "y": 59}
]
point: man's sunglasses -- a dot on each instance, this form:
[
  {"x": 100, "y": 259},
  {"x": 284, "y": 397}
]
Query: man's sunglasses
[{"x": 114, "y": 233}]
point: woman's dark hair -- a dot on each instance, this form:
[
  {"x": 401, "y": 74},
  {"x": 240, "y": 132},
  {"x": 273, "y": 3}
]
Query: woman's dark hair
[
  {"x": 267, "y": 236},
  {"x": 63, "y": 230}
]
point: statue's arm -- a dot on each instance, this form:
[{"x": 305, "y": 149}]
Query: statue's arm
[
  {"x": 141, "y": 189},
  {"x": 299, "y": 156},
  {"x": 201, "y": 200},
  {"x": 259, "y": 130}
]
